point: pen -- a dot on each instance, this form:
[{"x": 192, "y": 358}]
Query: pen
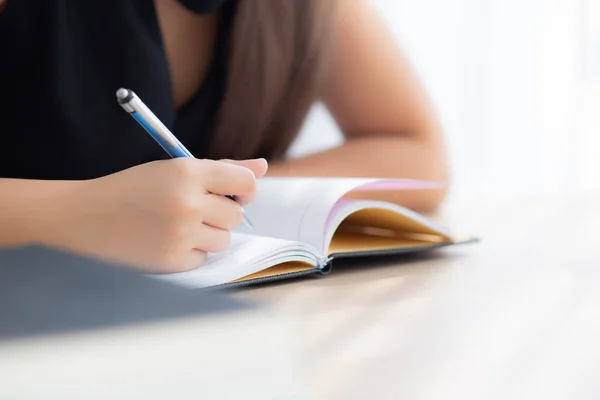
[{"x": 159, "y": 132}]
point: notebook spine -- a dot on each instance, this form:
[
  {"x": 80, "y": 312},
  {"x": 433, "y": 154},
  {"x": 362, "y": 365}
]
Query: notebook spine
[{"x": 323, "y": 263}]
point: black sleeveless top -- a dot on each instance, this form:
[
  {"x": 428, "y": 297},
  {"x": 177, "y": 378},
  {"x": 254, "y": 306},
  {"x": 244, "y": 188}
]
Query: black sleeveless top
[{"x": 61, "y": 62}]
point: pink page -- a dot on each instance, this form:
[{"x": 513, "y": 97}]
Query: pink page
[{"x": 382, "y": 185}]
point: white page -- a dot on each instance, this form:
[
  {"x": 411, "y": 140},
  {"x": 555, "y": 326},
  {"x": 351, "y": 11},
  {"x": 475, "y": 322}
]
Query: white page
[{"x": 298, "y": 208}]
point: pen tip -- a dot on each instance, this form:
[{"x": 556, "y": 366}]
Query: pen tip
[{"x": 246, "y": 223}]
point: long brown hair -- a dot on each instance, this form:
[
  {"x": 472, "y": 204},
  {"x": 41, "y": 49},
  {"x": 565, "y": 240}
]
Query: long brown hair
[{"x": 277, "y": 58}]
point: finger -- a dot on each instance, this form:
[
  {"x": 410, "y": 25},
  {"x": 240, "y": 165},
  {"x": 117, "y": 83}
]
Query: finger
[
  {"x": 193, "y": 260},
  {"x": 258, "y": 166},
  {"x": 186, "y": 261},
  {"x": 221, "y": 212},
  {"x": 243, "y": 200},
  {"x": 212, "y": 240},
  {"x": 228, "y": 179}
]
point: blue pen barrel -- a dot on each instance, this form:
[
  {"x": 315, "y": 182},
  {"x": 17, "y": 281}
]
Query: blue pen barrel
[
  {"x": 173, "y": 151},
  {"x": 160, "y": 133}
]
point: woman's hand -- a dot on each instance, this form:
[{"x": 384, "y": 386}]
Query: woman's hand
[{"x": 161, "y": 217}]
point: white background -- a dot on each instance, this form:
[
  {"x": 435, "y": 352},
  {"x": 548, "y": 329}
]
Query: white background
[{"x": 517, "y": 85}]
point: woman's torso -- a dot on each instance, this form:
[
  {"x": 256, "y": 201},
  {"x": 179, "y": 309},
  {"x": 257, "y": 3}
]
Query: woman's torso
[{"x": 63, "y": 60}]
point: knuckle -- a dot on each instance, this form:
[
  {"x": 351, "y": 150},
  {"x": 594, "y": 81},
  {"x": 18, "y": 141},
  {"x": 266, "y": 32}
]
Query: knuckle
[
  {"x": 184, "y": 169},
  {"x": 208, "y": 167},
  {"x": 173, "y": 253},
  {"x": 210, "y": 172},
  {"x": 181, "y": 204},
  {"x": 175, "y": 234},
  {"x": 171, "y": 261}
]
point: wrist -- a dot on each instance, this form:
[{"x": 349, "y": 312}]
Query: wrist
[
  {"x": 34, "y": 210},
  {"x": 56, "y": 206}
]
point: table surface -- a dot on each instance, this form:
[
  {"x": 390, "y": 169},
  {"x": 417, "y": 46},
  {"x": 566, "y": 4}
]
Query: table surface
[{"x": 515, "y": 316}]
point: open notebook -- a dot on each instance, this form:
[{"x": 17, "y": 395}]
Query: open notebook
[{"x": 300, "y": 225}]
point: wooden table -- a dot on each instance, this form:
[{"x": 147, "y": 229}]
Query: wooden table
[{"x": 516, "y": 316}]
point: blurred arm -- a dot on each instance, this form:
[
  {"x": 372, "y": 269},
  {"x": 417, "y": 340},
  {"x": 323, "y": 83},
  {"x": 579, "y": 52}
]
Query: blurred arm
[
  {"x": 29, "y": 210},
  {"x": 389, "y": 124}
]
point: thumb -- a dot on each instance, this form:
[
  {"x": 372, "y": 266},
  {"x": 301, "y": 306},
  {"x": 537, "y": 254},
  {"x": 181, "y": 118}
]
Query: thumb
[{"x": 258, "y": 166}]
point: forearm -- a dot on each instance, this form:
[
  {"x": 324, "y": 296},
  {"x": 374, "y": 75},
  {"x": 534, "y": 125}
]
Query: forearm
[
  {"x": 27, "y": 209},
  {"x": 386, "y": 157}
]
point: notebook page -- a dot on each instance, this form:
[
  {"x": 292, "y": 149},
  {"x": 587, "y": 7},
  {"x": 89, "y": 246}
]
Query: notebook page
[
  {"x": 242, "y": 258},
  {"x": 298, "y": 208}
]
